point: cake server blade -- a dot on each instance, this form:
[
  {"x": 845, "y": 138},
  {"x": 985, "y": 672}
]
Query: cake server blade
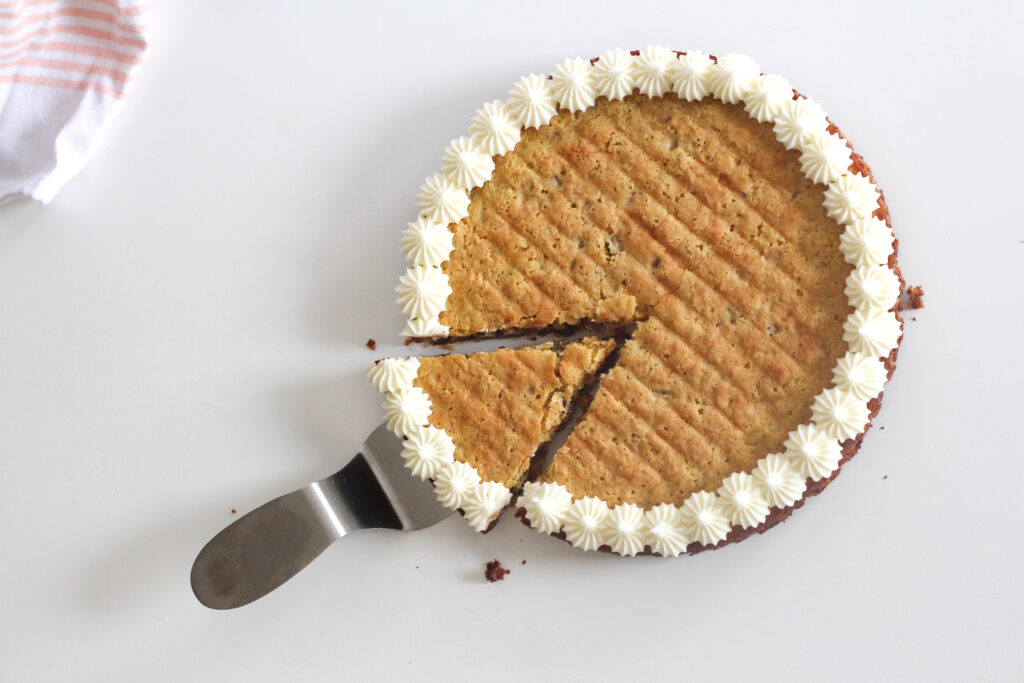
[{"x": 267, "y": 546}]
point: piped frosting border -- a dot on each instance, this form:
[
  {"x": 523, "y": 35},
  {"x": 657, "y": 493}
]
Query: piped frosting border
[{"x": 811, "y": 451}]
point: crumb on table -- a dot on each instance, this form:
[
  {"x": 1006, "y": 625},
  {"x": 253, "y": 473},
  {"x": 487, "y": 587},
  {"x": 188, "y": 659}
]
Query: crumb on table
[
  {"x": 371, "y": 344},
  {"x": 494, "y": 571},
  {"x": 915, "y": 297}
]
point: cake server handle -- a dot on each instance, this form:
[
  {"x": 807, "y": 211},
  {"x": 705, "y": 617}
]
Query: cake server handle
[{"x": 269, "y": 545}]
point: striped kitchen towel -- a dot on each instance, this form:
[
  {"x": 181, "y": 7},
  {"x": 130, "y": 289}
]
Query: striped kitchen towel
[{"x": 65, "y": 65}]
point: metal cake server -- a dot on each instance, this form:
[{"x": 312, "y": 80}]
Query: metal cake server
[{"x": 264, "y": 548}]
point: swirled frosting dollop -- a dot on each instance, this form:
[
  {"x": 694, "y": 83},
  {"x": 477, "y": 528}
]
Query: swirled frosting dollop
[
  {"x": 797, "y": 121},
  {"x": 627, "y": 529},
  {"x": 814, "y": 453},
  {"x": 455, "y": 483},
  {"x": 422, "y": 292},
  {"x": 424, "y": 327},
  {"x": 861, "y": 375},
  {"x": 392, "y": 374},
  {"x": 484, "y": 502},
  {"x": 780, "y": 480},
  {"x": 466, "y": 164},
  {"x": 426, "y": 242},
  {"x": 573, "y": 84},
  {"x": 704, "y": 518},
  {"x": 531, "y": 101},
  {"x": 666, "y": 530},
  {"x": 851, "y": 197},
  {"x": 872, "y": 286},
  {"x": 406, "y": 409},
  {"x": 733, "y": 77},
  {"x": 767, "y": 96},
  {"x": 839, "y": 413},
  {"x": 691, "y": 79},
  {"x": 442, "y": 200},
  {"x": 825, "y": 157},
  {"x": 586, "y": 523},
  {"x": 743, "y": 500},
  {"x": 655, "y": 68},
  {"x": 873, "y": 331},
  {"x": 426, "y": 450},
  {"x": 546, "y": 506},
  {"x": 613, "y": 74},
  {"x": 494, "y": 128},
  {"x": 866, "y": 242}
]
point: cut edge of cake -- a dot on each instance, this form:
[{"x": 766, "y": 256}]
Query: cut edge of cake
[{"x": 454, "y": 436}]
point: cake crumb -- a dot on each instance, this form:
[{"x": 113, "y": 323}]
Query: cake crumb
[
  {"x": 524, "y": 561},
  {"x": 371, "y": 344},
  {"x": 494, "y": 571},
  {"x": 885, "y": 476},
  {"x": 234, "y": 511},
  {"x": 915, "y": 297}
]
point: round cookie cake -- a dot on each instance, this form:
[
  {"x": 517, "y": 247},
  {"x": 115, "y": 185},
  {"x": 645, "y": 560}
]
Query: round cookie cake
[{"x": 720, "y": 228}]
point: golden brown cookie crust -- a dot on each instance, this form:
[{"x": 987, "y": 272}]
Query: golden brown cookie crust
[{"x": 694, "y": 219}]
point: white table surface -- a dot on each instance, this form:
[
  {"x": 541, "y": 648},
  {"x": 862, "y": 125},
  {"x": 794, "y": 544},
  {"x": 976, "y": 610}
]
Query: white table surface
[{"x": 182, "y": 330}]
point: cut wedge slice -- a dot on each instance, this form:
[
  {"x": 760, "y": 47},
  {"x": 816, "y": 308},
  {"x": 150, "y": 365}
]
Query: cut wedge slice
[{"x": 473, "y": 422}]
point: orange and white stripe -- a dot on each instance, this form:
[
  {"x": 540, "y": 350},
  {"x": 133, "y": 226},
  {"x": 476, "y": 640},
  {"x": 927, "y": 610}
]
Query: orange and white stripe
[
  {"x": 65, "y": 66},
  {"x": 91, "y": 45}
]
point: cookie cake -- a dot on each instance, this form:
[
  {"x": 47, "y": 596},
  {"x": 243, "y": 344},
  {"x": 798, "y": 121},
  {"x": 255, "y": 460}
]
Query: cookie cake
[{"x": 728, "y": 249}]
